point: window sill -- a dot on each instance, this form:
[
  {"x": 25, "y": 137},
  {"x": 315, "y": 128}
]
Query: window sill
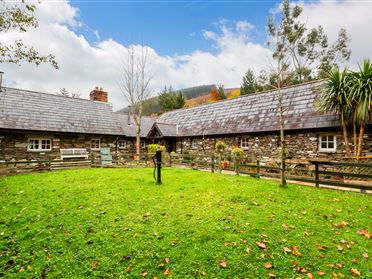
[{"x": 326, "y": 151}]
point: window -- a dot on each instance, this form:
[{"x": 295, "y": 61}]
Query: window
[
  {"x": 194, "y": 144},
  {"x": 142, "y": 144},
  {"x": 122, "y": 144},
  {"x": 39, "y": 145},
  {"x": 95, "y": 144},
  {"x": 327, "y": 143},
  {"x": 244, "y": 143}
]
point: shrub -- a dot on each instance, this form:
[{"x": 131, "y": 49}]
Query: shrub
[
  {"x": 220, "y": 146},
  {"x": 151, "y": 148},
  {"x": 237, "y": 152}
]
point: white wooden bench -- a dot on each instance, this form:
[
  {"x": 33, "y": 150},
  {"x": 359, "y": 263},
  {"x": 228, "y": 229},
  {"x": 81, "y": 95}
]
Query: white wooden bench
[{"x": 74, "y": 153}]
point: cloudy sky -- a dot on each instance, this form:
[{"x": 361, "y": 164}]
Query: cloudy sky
[{"x": 190, "y": 42}]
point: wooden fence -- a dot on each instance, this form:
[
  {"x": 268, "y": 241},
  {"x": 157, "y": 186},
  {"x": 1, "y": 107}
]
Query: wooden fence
[{"x": 355, "y": 174}]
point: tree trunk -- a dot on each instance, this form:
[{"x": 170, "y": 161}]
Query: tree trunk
[
  {"x": 219, "y": 163},
  {"x": 346, "y": 139},
  {"x": 283, "y": 181},
  {"x": 360, "y": 141},
  {"x": 138, "y": 144},
  {"x": 355, "y": 139}
]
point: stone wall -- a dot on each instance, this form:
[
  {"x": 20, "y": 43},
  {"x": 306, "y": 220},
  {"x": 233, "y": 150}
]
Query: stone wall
[
  {"x": 300, "y": 145},
  {"x": 13, "y": 145}
]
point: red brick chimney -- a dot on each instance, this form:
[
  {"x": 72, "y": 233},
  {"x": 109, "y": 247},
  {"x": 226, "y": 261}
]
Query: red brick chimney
[{"x": 98, "y": 95}]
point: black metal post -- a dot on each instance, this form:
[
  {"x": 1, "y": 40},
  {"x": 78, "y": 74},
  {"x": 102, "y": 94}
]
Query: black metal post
[
  {"x": 317, "y": 174},
  {"x": 158, "y": 165}
]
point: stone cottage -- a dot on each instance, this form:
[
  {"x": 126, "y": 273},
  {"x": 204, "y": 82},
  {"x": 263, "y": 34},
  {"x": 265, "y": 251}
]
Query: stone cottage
[{"x": 36, "y": 125}]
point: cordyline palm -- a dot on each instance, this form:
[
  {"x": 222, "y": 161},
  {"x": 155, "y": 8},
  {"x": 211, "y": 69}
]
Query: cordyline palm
[
  {"x": 336, "y": 97},
  {"x": 362, "y": 94}
]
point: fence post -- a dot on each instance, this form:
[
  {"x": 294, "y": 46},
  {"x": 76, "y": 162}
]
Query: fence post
[
  {"x": 316, "y": 174},
  {"x": 258, "y": 168},
  {"x": 236, "y": 165},
  {"x": 170, "y": 159},
  {"x": 219, "y": 163},
  {"x": 212, "y": 163},
  {"x": 49, "y": 163},
  {"x": 92, "y": 160}
]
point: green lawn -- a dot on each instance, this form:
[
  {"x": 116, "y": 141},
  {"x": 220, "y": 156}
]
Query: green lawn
[{"x": 114, "y": 223}]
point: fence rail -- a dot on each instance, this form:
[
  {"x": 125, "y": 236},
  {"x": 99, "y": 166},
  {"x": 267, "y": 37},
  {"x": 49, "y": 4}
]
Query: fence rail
[{"x": 354, "y": 175}]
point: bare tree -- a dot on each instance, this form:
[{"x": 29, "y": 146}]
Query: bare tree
[{"x": 134, "y": 81}]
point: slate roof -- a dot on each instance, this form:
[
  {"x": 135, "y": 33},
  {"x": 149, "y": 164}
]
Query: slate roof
[
  {"x": 165, "y": 129},
  {"x": 29, "y": 110},
  {"x": 130, "y": 130},
  {"x": 253, "y": 113}
]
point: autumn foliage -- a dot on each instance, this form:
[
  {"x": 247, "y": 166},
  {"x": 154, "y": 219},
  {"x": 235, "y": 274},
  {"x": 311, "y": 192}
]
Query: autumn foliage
[{"x": 213, "y": 95}]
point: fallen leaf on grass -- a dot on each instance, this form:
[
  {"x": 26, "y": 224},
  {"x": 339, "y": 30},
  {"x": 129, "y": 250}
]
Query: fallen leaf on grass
[
  {"x": 306, "y": 234},
  {"x": 365, "y": 255},
  {"x": 364, "y": 232},
  {"x": 21, "y": 269},
  {"x": 262, "y": 256},
  {"x": 334, "y": 275},
  {"x": 94, "y": 265},
  {"x": 284, "y": 226},
  {"x": 320, "y": 273},
  {"x": 295, "y": 251},
  {"x": 261, "y": 245},
  {"x": 248, "y": 250},
  {"x": 268, "y": 265},
  {"x": 203, "y": 273},
  {"x": 355, "y": 271},
  {"x": 129, "y": 268},
  {"x": 284, "y": 240},
  {"x": 167, "y": 260},
  {"x": 310, "y": 275},
  {"x": 321, "y": 247},
  {"x": 272, "y": 275},
  {"x": 286, "y": 249},
  {"x": 342, "y": 224},
  {"x": 223, "y": 264},
  {"x": 166, "y": 272},
  {"x": 339, "y": 248},
  {"x": 144, "y": 274}
]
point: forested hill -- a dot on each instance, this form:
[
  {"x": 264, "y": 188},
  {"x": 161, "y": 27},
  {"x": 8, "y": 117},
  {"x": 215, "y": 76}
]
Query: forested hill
[{"x": 151, "y": 105}]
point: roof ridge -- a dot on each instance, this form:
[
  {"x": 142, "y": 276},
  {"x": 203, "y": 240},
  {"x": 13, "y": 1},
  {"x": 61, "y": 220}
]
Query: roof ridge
[
  {"x": 247, "y": 95},
  {"x": 164, "y": 123},
  {"x": 53, "y": 94}
]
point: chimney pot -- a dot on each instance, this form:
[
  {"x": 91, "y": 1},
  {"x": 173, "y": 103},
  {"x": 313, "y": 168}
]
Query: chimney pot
[{"x": 98, "y": 95}]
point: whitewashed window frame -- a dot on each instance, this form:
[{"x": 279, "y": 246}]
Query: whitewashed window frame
[
  {"x": 194, "y": 143},
  {"x": 142, "y": 144},
  {"x": 93, "y": 146},
  {"x": 244, "y": 143},
  {"x": 327, "y": 142},
  {"x": 122, "y": 144},
  {"x": 40, "y": 144}
]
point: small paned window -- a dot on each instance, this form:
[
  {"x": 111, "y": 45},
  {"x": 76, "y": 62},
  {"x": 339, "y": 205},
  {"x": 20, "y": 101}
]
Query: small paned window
[
  {"x": 194, "y": 144},
  {"x": 122, "y": 144},
  {"x": 95, "y": 144},
  {"x": 39, "y": 144},
  {"x": 244, "y": 143},
  {"x": 142, "y": 144},
  {"x": 327, "y": 143}
]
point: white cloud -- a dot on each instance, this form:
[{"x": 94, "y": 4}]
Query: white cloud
[
  {"x": 354, "y": 16},
  {"x": 84, "y": 65}
]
